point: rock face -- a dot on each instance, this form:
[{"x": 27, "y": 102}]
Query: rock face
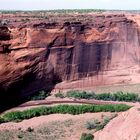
[
  {"x": 37, "y": 56},
  {"x": 124, "y": 127}
]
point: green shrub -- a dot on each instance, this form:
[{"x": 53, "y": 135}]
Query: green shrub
[
  {"x": 40, "y": 96},
  {"x": 104, "y": 123},
  {"x": 86, "y": 136},
  {"x": 92, "y": 124},
  {"x": 2, "y": 120},
  {"x": 95, "y": 124},
  {"x": 63, "y": 109},
  {"x": 59, "y": 94},
  {"x": 80, "y": 95}
]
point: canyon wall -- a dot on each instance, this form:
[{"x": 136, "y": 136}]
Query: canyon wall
[{"x": 39, "y": 55}]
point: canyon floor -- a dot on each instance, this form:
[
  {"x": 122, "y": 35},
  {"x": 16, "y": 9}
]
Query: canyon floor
[
  {"x": 124, "y": 126},
  {"x": 66, "y": 127}
]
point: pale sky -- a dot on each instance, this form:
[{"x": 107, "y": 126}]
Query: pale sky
[{"x": 69, "y": 4}]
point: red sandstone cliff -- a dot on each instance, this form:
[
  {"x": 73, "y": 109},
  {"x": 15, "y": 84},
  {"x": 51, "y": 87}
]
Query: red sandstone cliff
[{"x": 37, "y": 55}]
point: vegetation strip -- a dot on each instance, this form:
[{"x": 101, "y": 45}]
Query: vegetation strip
[
  {"x": 63, "y": 109},
  {"x": 118, "y": 96}
]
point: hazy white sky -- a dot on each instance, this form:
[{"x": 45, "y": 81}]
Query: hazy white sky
[{"x": 69, "y": 4}]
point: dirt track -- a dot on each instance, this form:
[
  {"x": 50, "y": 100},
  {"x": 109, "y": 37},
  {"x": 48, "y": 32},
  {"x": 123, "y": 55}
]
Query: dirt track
[{"x": 70, "y": 101}]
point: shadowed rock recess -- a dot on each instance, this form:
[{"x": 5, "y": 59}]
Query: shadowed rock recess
[{"x": 37, "y": 56}]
